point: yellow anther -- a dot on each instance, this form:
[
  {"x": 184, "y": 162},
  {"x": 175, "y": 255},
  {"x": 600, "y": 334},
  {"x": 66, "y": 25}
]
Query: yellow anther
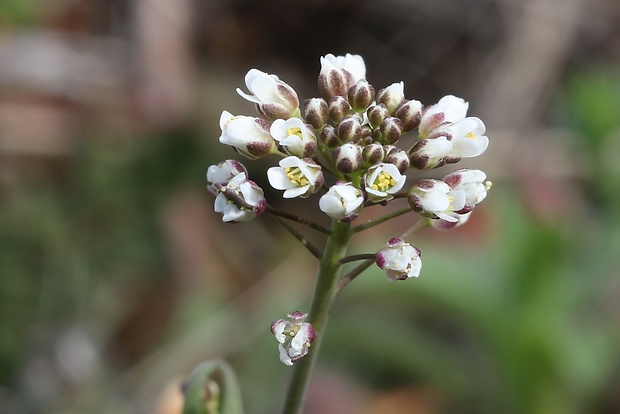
[
  {"x": 470, "y": 135},
  {"x": 383, "y": 182},
  {"x": 296, "y": 176},
  {"x": 294, "y": 131}
]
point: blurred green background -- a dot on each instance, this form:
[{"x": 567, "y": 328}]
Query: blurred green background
[{"x": 116, "y": 277}]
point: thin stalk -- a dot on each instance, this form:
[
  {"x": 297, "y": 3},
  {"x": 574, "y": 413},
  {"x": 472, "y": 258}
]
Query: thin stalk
[
  {"x": 324, "y": 293},
  {"x": 356, "y": 257},
  {"x": 296, "y": 218},
  {"x": 302, "y": 239},
  {"x": 379, "y": 220}
]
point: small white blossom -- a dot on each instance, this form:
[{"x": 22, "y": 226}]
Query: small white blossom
[
  {"x": 223, "y": 172},
  {"x": 240, "y": 200},
  {"x": 382, "y": 181},
  {"x": 248, "y": 135},
  {"x": 435, "y": 198},
  {"x": 448, "y": 110},
  {"x": 294, "y": 336},
  {"x": 274, "y": 98},
  {"x": 339, "y": 73},
  {"x": 342, "y": 202},
  {"x": 297, "y": 177},
  {"x": 294, "y": 136},
  {"x": 400, "y": 260},
  {"x": 468, "y": 138},
  {"x": 473, "y": 184}
]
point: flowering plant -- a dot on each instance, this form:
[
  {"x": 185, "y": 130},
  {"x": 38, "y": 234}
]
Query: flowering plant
[{"x": 348, "y": 150}]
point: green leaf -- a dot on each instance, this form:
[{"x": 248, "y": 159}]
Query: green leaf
[{"x": 212, "y": 388}]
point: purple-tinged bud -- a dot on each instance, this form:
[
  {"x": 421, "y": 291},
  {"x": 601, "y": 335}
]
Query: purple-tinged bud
[
  {"x": 429, "y": 153},
  {"x": 348, "y": 158},
  {"x": 316, "y": 112},
  {"x": 339, "y": 108},
  {"x": 373, "y": 153},
  {"x": 410, "y": 112},
  {"x": 361, "y": 95},
  {"x": 397, "y": 157},
  {"x": 392, "y": 96},
  {"x": 333, "y": 80},
  {"x": 391, "y": 128},
  {"x": 376, "y": 114},
  {"x": 399, "y": 259},
  {"x": 329, "y": 137},
  {"x": 349, "y": 129}
]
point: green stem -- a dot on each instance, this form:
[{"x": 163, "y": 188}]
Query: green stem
[
  {"x": 379, "y": 220},
  {"x": 324, "y": 294}
]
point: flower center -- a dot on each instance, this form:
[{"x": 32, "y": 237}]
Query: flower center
[
  {"x": 296, "y": 176},
  {"x": 294, "y": 131},
  {"x": 383, "y": 182},
  {"x": 470, "y": 135}
]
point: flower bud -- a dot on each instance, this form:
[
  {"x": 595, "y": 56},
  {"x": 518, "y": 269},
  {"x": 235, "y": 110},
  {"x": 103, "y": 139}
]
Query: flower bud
[
  {"x": 273, "y": 98},
  {"x": 338, "y": 108},
  {"x": 361, "y": 95},
  {"x": 316, "y": 112},
  {"x": 373, "y": 153},
  {"x": 339, "y": 73},
  {"x": 391, "y": 129},
  {"x": 376, "y": 114},
  {"x": 397, "y": 157},
  {"x": 348, "y": 158},
  {"x": 399, "y": 259},
  {"x": 248, "y": 135},
  {"x": 349, "y": 129},
  {"x": 410, "y": 112},
  {"x": 392, "y": 96},
  {"x": 429, "y": 153},
  {"x": 329, "y": 137}
]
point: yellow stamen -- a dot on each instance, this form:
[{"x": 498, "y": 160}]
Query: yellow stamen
[
  {"x": 383, "y": 182},
  {"x": 470, "y": 135},
  {"x": 294, "y": 131},
  {"x": 296, "y": 176}
]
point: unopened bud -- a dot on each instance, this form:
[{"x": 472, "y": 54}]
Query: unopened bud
[
  {"x": 338, "y": 108},
  {"x": 373, "y": 153},
  {"x": 361, "y": 95},
  {"x": 391, "y": 128},
  {"x": 376, "y": 114},
  {"x": 316, "y": 112},
  {"x": 348, "y": 158},
  {"x": 429, "y": 153},
  {"x": 397, "y": 157},
  {"x": 410, "y": 112},
  {"x": 349, "y": 129},
  {"x": 329, "y": 137},
  {"x": 333, "y": 80},
  {"x": 392, "y": 96}
]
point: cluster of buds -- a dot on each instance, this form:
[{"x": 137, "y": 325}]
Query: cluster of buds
[{"x": 353, "y": 145}]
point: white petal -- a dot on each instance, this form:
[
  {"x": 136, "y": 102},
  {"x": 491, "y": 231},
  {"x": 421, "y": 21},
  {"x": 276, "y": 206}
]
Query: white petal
[
  {"x": 278, "y": 179},
  {"x": 295, "y": 191}
]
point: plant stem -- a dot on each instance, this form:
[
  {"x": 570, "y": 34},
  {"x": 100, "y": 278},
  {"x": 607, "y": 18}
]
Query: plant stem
[
  {"x": 294, "y": 217},
  {"x": 379, "y": 220},
  {"x": 324, "y": 294}
]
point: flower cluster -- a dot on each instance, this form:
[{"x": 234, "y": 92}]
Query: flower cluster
[{"x": 354, "y": 146}]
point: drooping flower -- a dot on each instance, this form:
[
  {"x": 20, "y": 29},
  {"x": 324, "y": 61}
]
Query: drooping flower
[
  {"x": 248, "y": 135},
  {"x": 294, "y": 136},
  {"x": 222, "y": 173},
  {"x": 434, "y": 198},
  {"x": 240, "y": 200},
  {"x": 297, "y": 177},
  {"x": 399, "y": 259},
  {"x": 382, "y": 181},
  {"x": 472, "y": 183},
  {"x": 342, "y": 202},
  {"x": 294, "y": 336},
  {"x": 448, "y": 110},
  {"x": 275, "y": 99}
]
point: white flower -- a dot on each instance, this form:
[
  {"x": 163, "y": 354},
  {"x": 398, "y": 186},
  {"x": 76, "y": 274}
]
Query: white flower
[
  {"x": 468, "y": 138},
  {"x": 223, "y": 172},
  {"x": 471, "y": 182},
  {"x": 294, "y": 336},
  {"x": 400, "y": 260},
  {"x": 342, "y": 202},
  {"x": 449, "y": 109},
  {"x": 382, "y": 181},
  {"x": 274, "y": 98},
  {"x": 434, "y": 198},
  {"x": 295, "y": 137},
  {"x": 248, "y": 135},
  {"x": 297, "y": 177},
  {"x": 339, "y": 73},
  {"x": 240, "y": 200}
]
